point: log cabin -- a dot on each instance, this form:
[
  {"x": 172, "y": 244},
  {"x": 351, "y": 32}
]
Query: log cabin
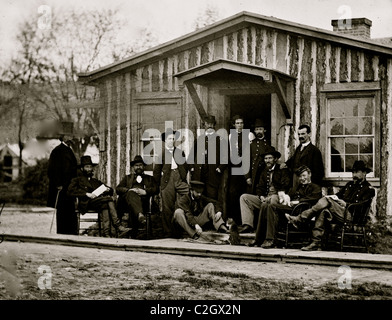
[{"x": 339, "y": 82}]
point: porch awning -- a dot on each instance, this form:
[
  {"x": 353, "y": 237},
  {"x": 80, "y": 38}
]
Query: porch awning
[{"x": 235, "y": 78}]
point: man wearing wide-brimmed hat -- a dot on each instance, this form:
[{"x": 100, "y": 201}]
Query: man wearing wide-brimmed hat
[
  {"x": 273, "y": 181},
  {"x": 333, "y": 206},
  {"x": 258, "y": 146},
  {"x": 84, "y": 188},
  {"x": 134, "y": 192},
  {"x": 61, "y": 169},
  {"x": 270, "y": 214},
  {"x": 170, "y": 173}
]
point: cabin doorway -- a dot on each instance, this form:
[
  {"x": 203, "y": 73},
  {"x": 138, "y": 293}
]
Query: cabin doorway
[{"x": 252, "y": 107}]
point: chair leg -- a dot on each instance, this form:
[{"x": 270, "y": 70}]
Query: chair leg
[
  {"x": 148, "y": 225},
  {"x": 364, "y": 239},
  {"x": 287, "y": 236},
  {"x": 342, "y": 239},
  {"x": 78, "y": 214},
  {"x": 99, "y": 225}
]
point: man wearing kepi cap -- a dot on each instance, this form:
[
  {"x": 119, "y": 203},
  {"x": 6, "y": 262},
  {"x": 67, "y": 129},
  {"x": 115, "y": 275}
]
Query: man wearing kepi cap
[
  {"x": 195, "y": 210},
  {"x": 84, "y": 186},
  {"x": 270, "y": 214},
  {"x": 333, "y": 206},
  {"x": 258, "y": 146},
  {"x": 134, "y": 192}
]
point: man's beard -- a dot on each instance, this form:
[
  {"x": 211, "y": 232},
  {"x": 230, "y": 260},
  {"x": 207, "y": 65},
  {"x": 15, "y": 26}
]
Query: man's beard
[
  {"x": 259, "y": 135},
  {"x": 139, "y": 171},
  {"x": 88, "y": 173}
]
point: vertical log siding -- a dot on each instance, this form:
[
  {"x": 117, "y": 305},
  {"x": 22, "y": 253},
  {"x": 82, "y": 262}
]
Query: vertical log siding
[{"x": 312, "y": 62}]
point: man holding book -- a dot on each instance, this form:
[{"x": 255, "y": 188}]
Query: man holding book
[{"x": 95, "y": 195}]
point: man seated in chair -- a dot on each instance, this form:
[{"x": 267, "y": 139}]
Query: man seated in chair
[
  {"x": 83, "y": 186},
  {"x": 273, "y": 183},
  {"x": 333, "y": 206},
  {"x": 195, "y": 210},
  {"x": 305, "y": 191},
  {"x": 134, "y": 192}
]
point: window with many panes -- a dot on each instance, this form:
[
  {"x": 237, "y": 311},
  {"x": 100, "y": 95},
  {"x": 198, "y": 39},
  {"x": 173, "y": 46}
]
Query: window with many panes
[{"x": 351, "y": 131}]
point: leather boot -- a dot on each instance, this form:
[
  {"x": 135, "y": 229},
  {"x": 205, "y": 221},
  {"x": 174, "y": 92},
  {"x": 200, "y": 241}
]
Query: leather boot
[
  {"x": 313, "y": 246},
  {"x": 105, "y": 223}
]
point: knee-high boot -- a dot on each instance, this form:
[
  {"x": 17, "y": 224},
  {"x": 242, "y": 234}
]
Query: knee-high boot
[
  {"x": 310, "y": 213},
  {"x": 105, "y": 219}
]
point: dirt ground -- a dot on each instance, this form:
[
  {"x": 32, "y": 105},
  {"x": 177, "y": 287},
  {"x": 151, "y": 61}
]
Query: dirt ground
[{"x": 30, "y": 271}]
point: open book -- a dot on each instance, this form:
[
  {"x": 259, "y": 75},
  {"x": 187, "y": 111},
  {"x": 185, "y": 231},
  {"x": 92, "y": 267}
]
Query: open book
[{"x": 101, "y": 189}]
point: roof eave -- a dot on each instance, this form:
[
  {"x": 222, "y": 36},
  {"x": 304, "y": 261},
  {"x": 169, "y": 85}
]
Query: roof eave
[{"x": 217, "y": 29}]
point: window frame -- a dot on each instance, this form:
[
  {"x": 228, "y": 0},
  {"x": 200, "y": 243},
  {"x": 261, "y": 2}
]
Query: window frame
[
  {"x": 342, "y": 91},
  {"x": 161, "y": 100}
]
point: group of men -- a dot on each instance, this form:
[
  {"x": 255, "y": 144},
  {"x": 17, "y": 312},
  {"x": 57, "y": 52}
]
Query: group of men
[{"x": 256, "y": 198}]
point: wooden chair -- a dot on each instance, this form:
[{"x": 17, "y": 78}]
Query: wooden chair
[
  {"x": 288, "y": 234},
  {"x": 87, "y": 220},
  {"x": 351, "y": 233},
  {"x": 2, "y": 204},
  {"x": 152, "y": 208}
]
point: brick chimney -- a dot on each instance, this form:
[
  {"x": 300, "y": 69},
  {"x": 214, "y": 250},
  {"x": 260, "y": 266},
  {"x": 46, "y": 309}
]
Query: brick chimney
[{"x": 359, "y": 27}]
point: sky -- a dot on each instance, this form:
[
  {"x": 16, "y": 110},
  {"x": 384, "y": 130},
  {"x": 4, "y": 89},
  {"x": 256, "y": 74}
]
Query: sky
[{"x": 170, "y": 19}]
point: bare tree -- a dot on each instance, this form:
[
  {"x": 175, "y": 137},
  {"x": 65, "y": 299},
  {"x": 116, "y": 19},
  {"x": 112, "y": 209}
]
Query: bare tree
[
  {"x": 48, "y": 61},
  {"x": 206, "y": 17}
]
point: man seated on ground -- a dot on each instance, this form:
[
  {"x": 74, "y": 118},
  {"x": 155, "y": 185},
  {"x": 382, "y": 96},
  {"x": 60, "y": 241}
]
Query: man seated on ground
[
  {"x": 306, "y": 191},
  {"x": 134, "y": 192},
  {"x": 333, "y": 206},
  {"x": 83, "y": 186},
  {"x": 273, "y": 183},
  {"x": 195, "y": 210}
]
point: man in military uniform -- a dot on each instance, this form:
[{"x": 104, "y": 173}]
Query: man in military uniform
[
  {"x": 270, "y": 214},
  {"x": 334, "y": 206},
  {"x": 258, "y": 146},
  {"x": 273, "y": 182}
]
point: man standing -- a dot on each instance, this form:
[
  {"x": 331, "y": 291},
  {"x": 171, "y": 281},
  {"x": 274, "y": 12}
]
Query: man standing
[
  {"x": 195, "y": 210},
  {"x": 308, "y": 155},
  {"x": 257, "y": 147},
  {"x": 208, "y": 167},
  {"x": 83, "y": 188},
  {"x": 306, "y": 191},
  {"x": 170, "y": 174},
  {"x": 62, "y": 168},
  {"x": 273, "y": 183},
  {"x": 239, "y": 157},
  {"x": 334, "y": 206},
  {"x": 134, "y": 192}
]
